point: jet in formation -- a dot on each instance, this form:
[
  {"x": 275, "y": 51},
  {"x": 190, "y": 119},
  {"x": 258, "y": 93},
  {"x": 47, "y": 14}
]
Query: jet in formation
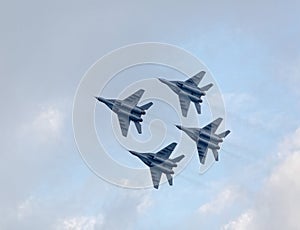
[
  {"x": 127, "y": 110},
  {"x": 188, "y": 91},
  {"x": 160, "y": 163},
  {"x": 206, "y": 138}
]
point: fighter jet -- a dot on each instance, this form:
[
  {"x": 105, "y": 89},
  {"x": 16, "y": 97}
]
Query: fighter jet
[
  {"x": 160, "y": 163},
  {"x": 189, "y": 91},
  {"x": 206, "y": 138},
  {"x": 127, "y": 110}
]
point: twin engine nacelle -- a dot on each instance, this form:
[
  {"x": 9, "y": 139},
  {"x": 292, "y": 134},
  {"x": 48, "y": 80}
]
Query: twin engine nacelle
[
  {"x": 209, "y": 143},
  {"x": 132, "y": 116},
  {"x": 194, "y": 90},
  {"x": 167, "y": 162},
  {"x": 193, "y": 98},
  {"x": 162, "y": 168},
  {"x": 135, "y": 109},
  {"x": 211, "y": 136}
]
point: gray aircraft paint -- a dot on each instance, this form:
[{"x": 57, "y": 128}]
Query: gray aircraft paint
[
  {"x": 160, "y": 163},
  {"x": 127, "y": 110},
  {"x": 90, "y": 139},
  {"x": 188, "y": 91},
  {"x": 206, "y": 138}
]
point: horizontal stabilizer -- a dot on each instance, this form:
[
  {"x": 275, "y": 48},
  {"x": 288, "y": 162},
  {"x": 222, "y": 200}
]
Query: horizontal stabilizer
[
  {"x": 147, "y": 106},
  {"x": 224, "y": 134},
  {"x": 216, "y": 155},
  {"x": 170, "y": 179},
  {"x": 138, "y": 127},
  {"x": 207, "y": 87},
  {"x": 177, "y": 159}
]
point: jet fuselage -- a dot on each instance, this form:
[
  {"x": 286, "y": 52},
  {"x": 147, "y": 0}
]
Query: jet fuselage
[
  {"x": 210, "y": 144},
  {"x": 189, "y": 88},
  {"x": 118, "y": 107},
  {"x": 194, "y": 93},
  {"x": 136, "y": 109},
  {"x": 153, "y": 161},
  {"x": 161, "y": 160},
  {"x": 210, "y": 136},
  {"x": 192, "y": 97},
  {"x": 210, "y": 139},
  {"x": 191, "y": 133}
]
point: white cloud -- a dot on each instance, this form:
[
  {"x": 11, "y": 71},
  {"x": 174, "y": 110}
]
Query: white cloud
[
  {"x": 238, "y": 101},
  {"x": 242, "y": 223},
  {"x": 36, "y": 78},
  {"x": 224, "y": 199},
  {"x": 127, "y": 209},
  {"x": 290, "y": 144},
  {"x": 277, "y": 205},
  {"x": 80, "y": 223},
  {"x": 24, "y": 209},
  {"x": 47, "y": 124},
  {"x": 145, "y": 203},
  {"x": 49, "y": 119}
]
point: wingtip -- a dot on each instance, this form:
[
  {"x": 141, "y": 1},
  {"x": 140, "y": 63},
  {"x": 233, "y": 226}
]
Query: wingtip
[{"x": 219, "y": 119}]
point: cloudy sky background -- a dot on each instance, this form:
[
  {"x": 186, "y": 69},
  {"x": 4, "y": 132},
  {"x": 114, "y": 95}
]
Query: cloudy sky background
[{"x": 252, "y": 48}]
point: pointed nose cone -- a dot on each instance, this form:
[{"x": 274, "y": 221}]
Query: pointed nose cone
[
  {"x": 179, "y": 127},
  {"x": 134, "y": 153},
  {"x": 107, "y": 102},
  {"x": 101, "y": 99},
  {"x": 163, "y": 80}
]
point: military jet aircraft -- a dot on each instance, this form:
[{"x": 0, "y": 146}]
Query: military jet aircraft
[
  {"x": 160, "y": 163},
  {"x": 206, "y": 138},
  {"x": 189, "y": 91},
  {"x": 127, "y": 110}
]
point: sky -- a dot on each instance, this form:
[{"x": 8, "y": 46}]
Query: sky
[{"x": 252, "y": 49}]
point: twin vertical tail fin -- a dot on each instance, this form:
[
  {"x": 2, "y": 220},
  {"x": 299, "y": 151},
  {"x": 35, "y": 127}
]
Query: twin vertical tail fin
[
  {"x": 137, "y": 124},
  {"x": 221, "y": 135},
  {"x": 170, "y": 179},
  {"x": 138, "y": 127},
  {"x": 175, "y": 160},
  {"x": 216, "y": 154},
  {"x": 198, "y": 107},
  {"x": 147, "y": 106}
]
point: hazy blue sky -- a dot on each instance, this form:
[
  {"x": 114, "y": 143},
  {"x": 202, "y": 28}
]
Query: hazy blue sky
[{"x": 251, "y": 47}]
